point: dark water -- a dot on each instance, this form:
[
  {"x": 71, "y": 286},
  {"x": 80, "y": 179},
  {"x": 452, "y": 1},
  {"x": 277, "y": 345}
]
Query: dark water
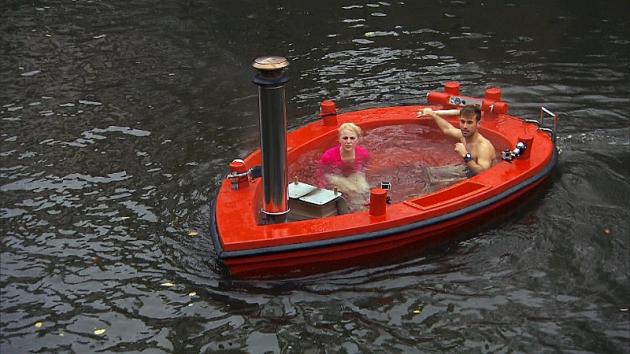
[{"x": 119, "y": 118}]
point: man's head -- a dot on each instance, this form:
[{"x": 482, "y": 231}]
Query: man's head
[
  {"x": 471, "y": 110},
  {"x": 469, "y": 119}
]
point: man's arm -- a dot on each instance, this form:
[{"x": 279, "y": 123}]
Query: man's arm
[
  {"x": 446, "y": 127},
  {"x": 478, "y": 163}
]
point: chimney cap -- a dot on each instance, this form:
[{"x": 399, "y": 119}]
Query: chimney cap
[{"x": 270, "y": 63}]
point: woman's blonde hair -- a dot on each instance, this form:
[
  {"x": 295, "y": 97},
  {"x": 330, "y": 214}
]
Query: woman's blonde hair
[{"x": 350, "y": 126}]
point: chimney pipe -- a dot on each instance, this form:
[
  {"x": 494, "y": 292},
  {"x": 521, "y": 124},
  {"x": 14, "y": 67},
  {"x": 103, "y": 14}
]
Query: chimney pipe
[{"x": 271, "y": 77}]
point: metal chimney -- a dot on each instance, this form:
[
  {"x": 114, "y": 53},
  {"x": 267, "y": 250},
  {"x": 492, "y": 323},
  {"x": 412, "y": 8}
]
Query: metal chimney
[{"x": 271, "y": 78}]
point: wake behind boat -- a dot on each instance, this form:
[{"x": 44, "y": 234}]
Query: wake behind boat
[{"x": 267, "y": 225}]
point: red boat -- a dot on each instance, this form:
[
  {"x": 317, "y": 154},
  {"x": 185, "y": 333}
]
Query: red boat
[{"x": 257, "y": 236}]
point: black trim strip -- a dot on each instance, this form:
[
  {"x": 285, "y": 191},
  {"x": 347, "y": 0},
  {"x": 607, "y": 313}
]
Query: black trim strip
[{"x": 376, "y": 234}]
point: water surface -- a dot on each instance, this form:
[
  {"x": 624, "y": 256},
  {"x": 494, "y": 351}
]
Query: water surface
[{"x": 119, "y": 119}]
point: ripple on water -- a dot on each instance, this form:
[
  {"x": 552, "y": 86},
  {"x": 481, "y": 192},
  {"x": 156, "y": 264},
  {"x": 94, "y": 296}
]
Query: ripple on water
[{"x": 118, "y": 121}]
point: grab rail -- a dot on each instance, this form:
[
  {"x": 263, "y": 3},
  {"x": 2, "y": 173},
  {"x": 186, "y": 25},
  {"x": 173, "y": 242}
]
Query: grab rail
[
  {"x": 552, "y": 131},
  {"x": 535, "y": 121},
  {"x": 541, "y": 122}
]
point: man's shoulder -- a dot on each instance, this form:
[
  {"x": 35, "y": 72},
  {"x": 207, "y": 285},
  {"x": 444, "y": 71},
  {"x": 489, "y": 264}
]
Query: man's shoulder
[
  {"x": 486, "y": 144},
  {"x": 454, "y": 133}
]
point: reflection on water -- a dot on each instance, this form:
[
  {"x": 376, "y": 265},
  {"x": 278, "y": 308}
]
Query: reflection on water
[{"x": 119, "y": 119}]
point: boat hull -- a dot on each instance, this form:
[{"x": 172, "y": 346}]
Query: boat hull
[{"x": 250, "y": 249}]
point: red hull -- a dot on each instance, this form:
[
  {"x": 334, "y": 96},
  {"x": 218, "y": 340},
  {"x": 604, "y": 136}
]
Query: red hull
[{"x": 322, "y": 259}]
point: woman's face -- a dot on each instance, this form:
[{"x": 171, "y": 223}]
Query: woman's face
[{"x": 348, "y": 139}]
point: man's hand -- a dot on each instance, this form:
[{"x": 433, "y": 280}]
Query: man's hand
[
  {"x": 424, "y": 112},
  {"x": 461, "y": 149}
]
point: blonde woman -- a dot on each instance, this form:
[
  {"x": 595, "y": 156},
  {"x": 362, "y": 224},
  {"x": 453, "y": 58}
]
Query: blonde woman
[{"x": 343, "y": 166}]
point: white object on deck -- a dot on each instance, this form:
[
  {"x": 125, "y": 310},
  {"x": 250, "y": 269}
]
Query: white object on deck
[{"x": 307, "y": 202}]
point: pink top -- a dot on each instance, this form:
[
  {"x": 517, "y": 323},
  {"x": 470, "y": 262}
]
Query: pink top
[{"x": 331, "y": 161}]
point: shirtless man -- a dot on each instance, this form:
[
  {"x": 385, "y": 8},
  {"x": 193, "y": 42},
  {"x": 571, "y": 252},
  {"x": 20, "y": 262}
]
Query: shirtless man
[{"x": 477, "y": 151}]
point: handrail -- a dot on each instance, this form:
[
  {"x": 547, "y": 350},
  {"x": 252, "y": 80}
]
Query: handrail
[
  {"x": 535, "y": 121},
  {"x": 553, "y": 131}
]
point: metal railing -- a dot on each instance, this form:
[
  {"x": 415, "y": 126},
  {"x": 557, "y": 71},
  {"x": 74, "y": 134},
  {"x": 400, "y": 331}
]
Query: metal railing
[
  {"x": 541, "y": 122},
  {"x": 554, "y": 129}
]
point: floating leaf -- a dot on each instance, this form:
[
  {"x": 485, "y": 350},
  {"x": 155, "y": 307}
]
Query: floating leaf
[
  {"x": 193, "y": 234},
  {"x": 38, "y": 324},
  {"x": 99, "y": 331},
  {"x": 167, "y": 284}
]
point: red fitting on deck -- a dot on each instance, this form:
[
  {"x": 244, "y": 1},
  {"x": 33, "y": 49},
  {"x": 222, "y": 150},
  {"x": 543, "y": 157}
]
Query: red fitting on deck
[
  {"x": 328, "y": 112},
  {"x": 452, "y": 88},
  {"x": 238, "y": 174},
  {"x": 436, "y": 97},
  {"x": 499, "y": 107},
  {"x": 528, "y": 141},
  {"x": 493, "y": 94},
  {"x": 491, "y": 107},
  {"x": 238, "y": 166},
  {"x": 486, "y": 104},
  {"x": 378, "y": 201}
]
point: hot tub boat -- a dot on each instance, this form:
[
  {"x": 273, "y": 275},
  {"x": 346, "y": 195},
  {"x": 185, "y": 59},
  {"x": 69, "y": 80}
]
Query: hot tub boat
[{"x": 264, "y": 225}]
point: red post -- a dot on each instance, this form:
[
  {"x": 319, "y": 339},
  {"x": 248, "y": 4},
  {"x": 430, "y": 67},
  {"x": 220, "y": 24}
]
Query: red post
[
  {"x": 452, "y": 88},
  {"x": 491, "y": 106},
  {"x": 493, "y": 94},
  {"x": 328, "y": 112},
  {"x": 378, "y": 202},
  {"x": 238, "y": 174},
  {"x": 527, "y": 140},
  {"x": 500, "y": 107}
]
